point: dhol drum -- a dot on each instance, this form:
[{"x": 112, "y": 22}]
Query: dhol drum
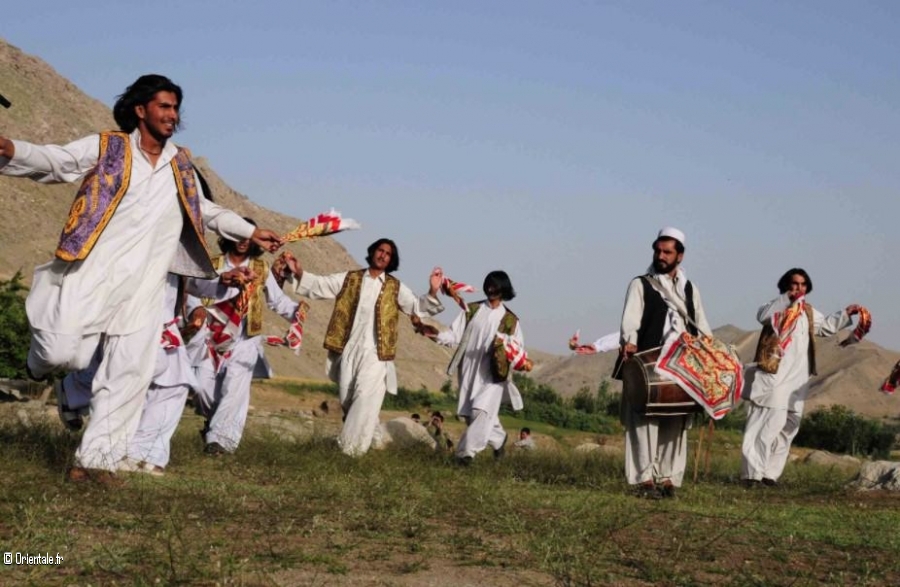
[{"x": 648, "y": 394}]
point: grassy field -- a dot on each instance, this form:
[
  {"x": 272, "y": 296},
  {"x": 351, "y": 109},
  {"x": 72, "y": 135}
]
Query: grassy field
[{"x": 301, "y": 513}]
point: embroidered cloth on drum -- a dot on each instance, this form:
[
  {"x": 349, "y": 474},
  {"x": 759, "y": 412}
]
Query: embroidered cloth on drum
[{"x": 706, "y": 369}]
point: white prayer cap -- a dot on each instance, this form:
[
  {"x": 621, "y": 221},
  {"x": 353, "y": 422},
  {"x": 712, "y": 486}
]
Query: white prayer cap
[{"x": 670, "y": 232}]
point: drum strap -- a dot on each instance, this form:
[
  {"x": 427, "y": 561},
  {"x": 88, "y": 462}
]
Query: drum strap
[{"x": 676, "y": 304}]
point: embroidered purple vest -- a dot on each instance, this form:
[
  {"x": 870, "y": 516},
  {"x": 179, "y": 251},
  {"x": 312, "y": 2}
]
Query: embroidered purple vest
[{"x": 103, "y": 189}]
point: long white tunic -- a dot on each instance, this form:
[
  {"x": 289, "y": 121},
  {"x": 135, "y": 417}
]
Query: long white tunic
[
  {"x": 477, "y": 389},
  {"x": 121, "y": 283},
  {"x": 361, "y": 353},
  {"x": 789, "y": 386}
]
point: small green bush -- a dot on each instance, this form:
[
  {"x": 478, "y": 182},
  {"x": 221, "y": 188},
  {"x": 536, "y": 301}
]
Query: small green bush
[
  {"x": 839, "y": 429},
  {"x": 406, "y": 399},
  {"x": 14, "y": 333}
]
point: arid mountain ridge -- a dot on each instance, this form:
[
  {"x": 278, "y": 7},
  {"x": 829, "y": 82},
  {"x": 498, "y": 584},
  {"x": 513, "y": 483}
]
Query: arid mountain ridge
[{"x": 47, "y": 108}]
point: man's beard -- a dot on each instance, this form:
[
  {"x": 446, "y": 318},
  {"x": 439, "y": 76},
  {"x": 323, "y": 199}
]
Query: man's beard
[{"x": 662, "y": 267}]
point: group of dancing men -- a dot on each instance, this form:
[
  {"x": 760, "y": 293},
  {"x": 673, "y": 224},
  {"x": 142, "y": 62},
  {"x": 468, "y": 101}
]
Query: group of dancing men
[{"x": 126, "y": 306}]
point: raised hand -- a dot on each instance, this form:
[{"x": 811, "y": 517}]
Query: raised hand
[
  {"x": 237, "y": 277},
  {"x": 267, "y": 239},
  {"x": 435, "y": 280}
]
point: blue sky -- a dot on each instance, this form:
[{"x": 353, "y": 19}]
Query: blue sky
[{"x": 549, "y": 139}]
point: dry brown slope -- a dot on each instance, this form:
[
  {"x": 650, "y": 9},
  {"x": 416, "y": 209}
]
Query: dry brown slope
[{"x": 49, "y": 109}]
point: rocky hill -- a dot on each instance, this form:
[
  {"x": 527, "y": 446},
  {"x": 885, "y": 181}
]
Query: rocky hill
[{"x": 49, "y": 109}]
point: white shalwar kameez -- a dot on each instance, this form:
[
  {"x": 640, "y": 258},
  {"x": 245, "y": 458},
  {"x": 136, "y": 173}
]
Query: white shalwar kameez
[
  {"x": 656, "y": 448},
  {"x": 173, "y": 378},
  {"x": 224, "y": 396},
  {"x": 776, "y": 400},
  {"x": 114, "y": 291},
  {"x": 361, "y": 376},
  {"x": 479, "y": 396}
]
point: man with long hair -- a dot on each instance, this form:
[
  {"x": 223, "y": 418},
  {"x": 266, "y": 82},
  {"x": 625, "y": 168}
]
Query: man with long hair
[
  {"x": 482, "y": 366},
  {"x": 779, "y": 382},
  {"x": 361, "y": 337},
  {"x": 224, "y": 393},
  {"x": 138, "y": 214}
]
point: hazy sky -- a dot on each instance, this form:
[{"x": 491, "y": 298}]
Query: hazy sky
[{"x": 549, "y": 139}]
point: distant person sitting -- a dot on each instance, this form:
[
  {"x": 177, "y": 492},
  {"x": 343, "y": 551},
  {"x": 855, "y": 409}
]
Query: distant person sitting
[
  {"x": 435, "y": 428},
  {"x": 525, "y": 442}
]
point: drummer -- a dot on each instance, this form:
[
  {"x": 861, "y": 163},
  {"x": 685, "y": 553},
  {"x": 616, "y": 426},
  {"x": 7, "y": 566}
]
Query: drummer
[{"x": 655, "y": 309}]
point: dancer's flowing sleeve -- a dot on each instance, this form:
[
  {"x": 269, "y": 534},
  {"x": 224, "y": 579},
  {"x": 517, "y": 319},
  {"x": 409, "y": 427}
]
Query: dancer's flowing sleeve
[
  {"x": 633, "y": 312},
  {"x": 453, "y": 335},
  {"x": 318, "y": 287},
  {"x": 831, "y": 324},
  {"x": 278, "y": 301},
  {"x": 766, "y": 311},
  {"x": 223, "y": 221},
  {"x": 53, "y": 163},
  {"x": 210, "y": 289},
  {"x": 424, "y": 305}
]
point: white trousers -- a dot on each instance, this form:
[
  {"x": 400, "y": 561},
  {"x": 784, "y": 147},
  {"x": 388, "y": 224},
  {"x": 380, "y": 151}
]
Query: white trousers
[
  {"x": 118, "y": 389},
  {"x": 655, "y": 448},
  {"x": 361, "y": 408},
  {"x": 49, "y": 351},
  {"x": 483, "y": 429},
  {"x": 159, "y": 419},
  {"x": 767, "y": 441},
  {"x": 224, "y": 400},
  {"x": 78, "y": 386}
]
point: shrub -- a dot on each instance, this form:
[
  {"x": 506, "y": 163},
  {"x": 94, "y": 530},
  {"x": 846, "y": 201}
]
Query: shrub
[
  {"x": 585, "y": 411},
  {"x": 839, "y": 429},
  {"x": 14, "y": 334},
  {"x": 408, "y": 399}
]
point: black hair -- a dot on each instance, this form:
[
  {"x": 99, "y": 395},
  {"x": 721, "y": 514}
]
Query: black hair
[
  {"x": 784, "y": 284},
  {"x": 438, "y": 415},
  {"x": 526, "y": 430},
  {"x": 499, "y": 281},
  {"x": 395, "y": 254},
  {"x": 679, "y": 246},
  {"x": 141, "y": 93},
  {"x": 229, "y": 246}
]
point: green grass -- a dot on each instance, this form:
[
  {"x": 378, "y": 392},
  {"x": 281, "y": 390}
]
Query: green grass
[{"x": 281, "y": 513}]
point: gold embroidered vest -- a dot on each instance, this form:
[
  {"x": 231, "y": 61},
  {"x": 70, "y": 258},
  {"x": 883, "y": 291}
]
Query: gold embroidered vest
[
  {"x": 102, "y": 191},
  {"x": 768, "y": 349},
  {"x": 387, "y": 312},
  {"x": 255, "y": 310}
]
